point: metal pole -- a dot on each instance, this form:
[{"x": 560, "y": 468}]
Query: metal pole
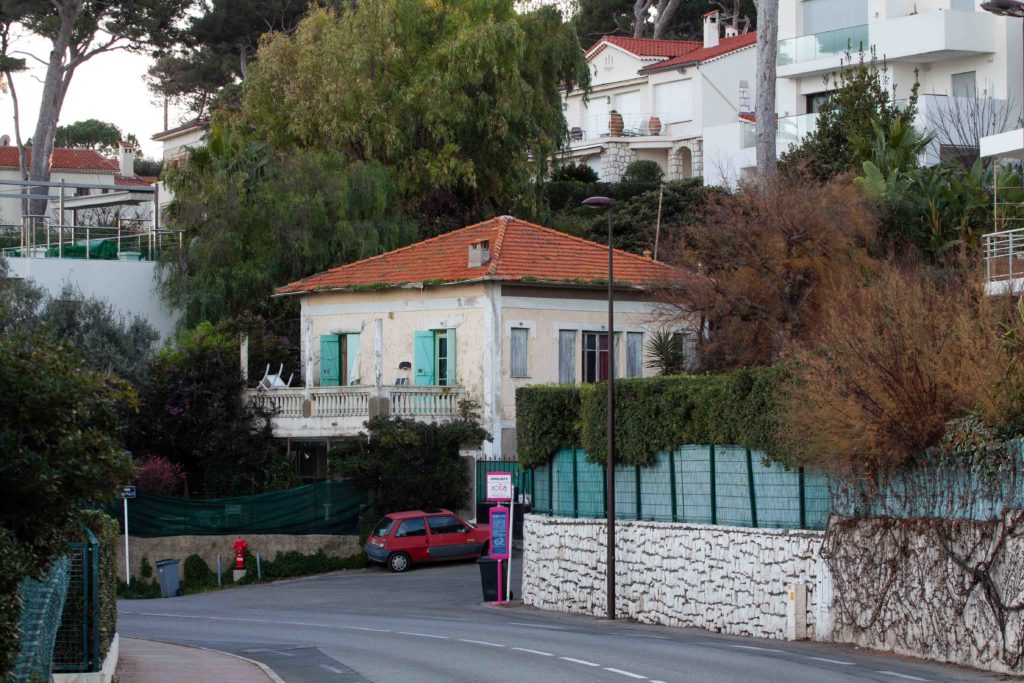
[
  {"x": 87, "y": 243},
  {"x": 657, "y": 225},
  {"x": 611, "y": 422},
  {"x": 219, "y": 571},
  {"x": 60, "y": 223},
  {"x": 127, "y": 564},
  {"x": 511, "y": 543},
  {"x": 259, "y": 568}
]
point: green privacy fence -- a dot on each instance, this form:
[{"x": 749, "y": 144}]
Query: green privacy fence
[
  {"x": 329, "y": 507},
  {"x": 701, "y": 484},
  {"x": 77, "y": 645},
  {"x": 521, "y": 479},
  {"x": 41, "y": 606}
]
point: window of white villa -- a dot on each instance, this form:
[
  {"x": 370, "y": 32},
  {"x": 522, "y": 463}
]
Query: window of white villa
[
  {"x": 965, "y": 84},
  {"x": 830, "y": 15},
  {"x": 634, "y": 354},
  {"x": 518, "y": 355},
  {"x": 596, "y": 356},
  {"x": 567, "y": 356},
  {"x": 673, "y": 101}
]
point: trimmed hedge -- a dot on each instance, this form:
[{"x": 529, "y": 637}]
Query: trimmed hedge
[
  {"x": 652, "y": 414},
  {"x": 107, "y": 533}
]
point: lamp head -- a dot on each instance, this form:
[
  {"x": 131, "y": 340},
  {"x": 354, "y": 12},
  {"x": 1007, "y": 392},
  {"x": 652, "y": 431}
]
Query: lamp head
[
  {"x": 598, "y": 202},
  {"x": 1004, "y": 8}
]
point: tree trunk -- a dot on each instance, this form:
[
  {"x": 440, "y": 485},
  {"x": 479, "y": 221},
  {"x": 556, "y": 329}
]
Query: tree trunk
[
  {"x": 764, "y": 107},
  {"x": 666, "y": 12},
  {"x": 54, "y": 88},
  {"x": 640, "y": 9}
]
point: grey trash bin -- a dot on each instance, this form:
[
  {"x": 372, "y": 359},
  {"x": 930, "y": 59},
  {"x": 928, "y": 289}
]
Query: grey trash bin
[{"x": 167, "y": 575}]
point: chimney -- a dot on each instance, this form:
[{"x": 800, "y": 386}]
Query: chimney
[
  {"x": 711, "y": 29},
  {"x": 731, "y": 31},
  {"x": 479, "y": 253},
  {"x": 647, "y": 254},
  {"x": 126, "y": 158}
]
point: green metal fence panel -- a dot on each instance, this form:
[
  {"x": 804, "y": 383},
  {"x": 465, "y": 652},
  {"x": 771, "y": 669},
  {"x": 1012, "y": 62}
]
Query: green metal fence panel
[
  {"x": 590, "y": 476},
  {"x": 625, "y": 492},
  {"x": 693, "y": 484},
  {"x": 72, "y": 643},
  {"x": 42, "y": 603},
  {"x": 777, "y": 492},
  {"x": 563, "y": 483},
  {"x": 541, "y": 495},
  {"x": 731, "y": 486}
]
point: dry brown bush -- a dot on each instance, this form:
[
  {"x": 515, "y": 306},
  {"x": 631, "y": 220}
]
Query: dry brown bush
[
  {"x": 767, "y": 260},
  {"x": 892, "y": 362}
]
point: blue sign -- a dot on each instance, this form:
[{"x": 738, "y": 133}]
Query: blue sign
[
  {"x": 499, "y": 533},
  {"x": 128, "y": 492}
]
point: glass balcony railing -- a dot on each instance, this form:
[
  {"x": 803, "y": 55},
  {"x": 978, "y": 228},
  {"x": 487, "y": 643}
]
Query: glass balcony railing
[
  {"x": 820, "y": 45},
  {"x": 791, "y": 130}
]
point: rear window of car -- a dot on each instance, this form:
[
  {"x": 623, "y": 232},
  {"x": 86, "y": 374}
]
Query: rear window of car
[
  {"x": 383, "y": 527},
  {"x": 412, "y": 527}
]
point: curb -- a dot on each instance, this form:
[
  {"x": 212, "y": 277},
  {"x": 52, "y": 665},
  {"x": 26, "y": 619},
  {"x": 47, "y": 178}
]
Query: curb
[{"x": 263, "y": 667}]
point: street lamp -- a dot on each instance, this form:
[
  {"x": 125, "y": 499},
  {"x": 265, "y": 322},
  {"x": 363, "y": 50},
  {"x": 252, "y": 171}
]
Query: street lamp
[{"x": 607, "y": 203}]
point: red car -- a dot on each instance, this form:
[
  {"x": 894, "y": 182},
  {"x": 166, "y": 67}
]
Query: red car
[{"x": 402, "y": 539}]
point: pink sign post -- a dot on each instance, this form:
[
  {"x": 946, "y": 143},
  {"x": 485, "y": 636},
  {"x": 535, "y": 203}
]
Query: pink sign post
[{"x": 499, "y": 489}]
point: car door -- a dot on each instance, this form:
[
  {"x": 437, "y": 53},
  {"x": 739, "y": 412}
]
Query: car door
[
  {"x": 411, "y": 539},
  {"x": 450, "y": 538}
]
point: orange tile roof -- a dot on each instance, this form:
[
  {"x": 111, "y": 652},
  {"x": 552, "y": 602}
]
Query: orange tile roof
[
  {"x": 519, "y": 252},
  {"x": 143, "y": 180},
  {"x": 646, "y": 47},
  {"x": 724, "y": 47},
  {"x": 62, "y": 159}
]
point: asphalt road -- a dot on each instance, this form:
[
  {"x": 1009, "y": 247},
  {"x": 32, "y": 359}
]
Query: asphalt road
[{"x": 429, "y": 625}]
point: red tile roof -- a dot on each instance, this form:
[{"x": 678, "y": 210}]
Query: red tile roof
[
  {"x": 144, "y": 180},
  {"x": 519, "y": 251},
  {"x": 724, "y": 47},
  {"x": 646, "y": 47},
  {"x": 62, "y": 159}
]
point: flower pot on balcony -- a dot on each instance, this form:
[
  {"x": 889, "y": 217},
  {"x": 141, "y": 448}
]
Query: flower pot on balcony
[
  {"x": 654, "y": 126},
  {"x": 615, "y": 125}
]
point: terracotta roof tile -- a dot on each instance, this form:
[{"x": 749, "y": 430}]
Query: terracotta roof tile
[
  {"x": 144, "y": 180},
  {"x": 519, "y": 251},
  {"x": 62, "y": 159},
  {"x": 646, "y": 47},
  {"x": 725, "y": 46}
]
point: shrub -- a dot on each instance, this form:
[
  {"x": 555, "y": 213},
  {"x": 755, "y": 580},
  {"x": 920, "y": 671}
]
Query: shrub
[
  {"x": 145, "y": 568},
  {"x": 578, "y": 172},
  {"x": 197, "y": 573},
  {"x": 643, "y": 171},
  {"x": 546, "y": 421},
  {"x": 159, "y": 475}
]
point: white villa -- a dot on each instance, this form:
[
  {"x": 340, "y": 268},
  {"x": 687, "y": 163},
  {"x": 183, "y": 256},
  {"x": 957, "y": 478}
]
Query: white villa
[
  {"x": 652, "y": 99},
  {"x": 473, "y": 313}
]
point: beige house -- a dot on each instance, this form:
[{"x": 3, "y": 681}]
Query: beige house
[{"x": 472, "y": 314}]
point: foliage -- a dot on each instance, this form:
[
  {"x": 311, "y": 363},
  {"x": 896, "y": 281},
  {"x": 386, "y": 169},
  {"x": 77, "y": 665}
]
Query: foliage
[
  {"x": 193, "y": 413},
  {"x": 892, "y": 364},
  {"x": 861, "y": 98},
  {"x": 643, "y": 171},
  {"x": 408, "y": 465},
  {"x": 766, "y": 261},
  {"x": 101, "y": 136},
  {"x": 651, "y": 414},
  {"x": 293, "y": 563},
  {"x": 60, "y": 436},
  {"x": 459, "y": 101},
  {"x": 108, "y": 534},
  {"x": 666, "y": 353},
  {"x": 578, "y": 172},
  {"x": 195, "y": 572},
  {"x": 546, "y": 421},
  {"x": 595, "y": 18},
  {"x": 145, "y": 568},
  {"x": 158, "y": 475},
  {"x": 254, "y": 220}
]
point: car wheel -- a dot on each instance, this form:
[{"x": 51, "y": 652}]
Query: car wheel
[
  {"x": 399, "y": 562},
  {"x": 485, "y": 549}
]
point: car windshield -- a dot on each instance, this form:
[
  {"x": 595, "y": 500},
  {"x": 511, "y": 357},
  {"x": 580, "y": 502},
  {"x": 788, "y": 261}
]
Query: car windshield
[{"x": 383, "y": 527}]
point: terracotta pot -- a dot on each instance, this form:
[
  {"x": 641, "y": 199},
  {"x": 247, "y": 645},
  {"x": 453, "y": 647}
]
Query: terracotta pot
[
  {"x": 615, "y": 125},
  {"x": 654, "y": 126}
]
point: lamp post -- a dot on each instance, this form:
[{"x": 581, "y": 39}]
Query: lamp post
[{"x": 607, "y": 203}]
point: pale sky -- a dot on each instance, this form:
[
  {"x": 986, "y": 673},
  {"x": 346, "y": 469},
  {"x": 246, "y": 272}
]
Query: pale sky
[{"x": 109, "y": 87}]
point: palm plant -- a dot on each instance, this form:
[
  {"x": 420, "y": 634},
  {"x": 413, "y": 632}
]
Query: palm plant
[{"x": 665, "y": 352}]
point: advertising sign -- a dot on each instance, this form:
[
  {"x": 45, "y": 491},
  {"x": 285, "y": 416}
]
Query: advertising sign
[
  {"x": 499, "y": 486},
  {"x": 499, "y": 533}
]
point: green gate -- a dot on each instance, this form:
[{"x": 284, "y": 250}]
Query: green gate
[{"x": 77, "y": 646}]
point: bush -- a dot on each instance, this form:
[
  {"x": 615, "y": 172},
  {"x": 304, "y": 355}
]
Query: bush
[
  {"x": 107, "y": 532},
  {"x": 197, "y": 573},
  {"x": 294, "y": 563},
  {"x": 546, "y": 422},
  {"x": 643, "y": 171},
  {"x": 578, "y": 172},
  {"x": 159, "y": 475}
]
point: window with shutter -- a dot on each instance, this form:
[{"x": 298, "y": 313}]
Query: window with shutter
[
  {"x": 567, "y": 356},
  {"x": 518, "y": 352},
  {"x": 634, "y": 354}
]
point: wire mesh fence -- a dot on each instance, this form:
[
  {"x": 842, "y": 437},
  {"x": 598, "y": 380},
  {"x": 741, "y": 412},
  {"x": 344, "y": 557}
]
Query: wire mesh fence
[
  {"x": 77, "y": 643},
  {"x": 696, "y": 483},
  {"x": 41, "y": 606}
]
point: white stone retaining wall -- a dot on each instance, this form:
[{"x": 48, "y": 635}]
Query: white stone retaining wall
[{"x": 726, "y": 579}]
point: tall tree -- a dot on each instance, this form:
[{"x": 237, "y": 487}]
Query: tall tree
[
  {"x": 764, "y": 105},
  {"x": 94, "y": 134},
  {"x": 78, "y": 30}
]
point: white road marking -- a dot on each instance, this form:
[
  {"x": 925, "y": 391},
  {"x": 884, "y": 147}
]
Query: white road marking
[
  {"x": 639, "y": 635},
  {"x": 830, "y": 661},
  {"x": 898, "y": 675},
  {"x": 421, "y": 635},
  {"x": 480, "y": 642},
  {"x": 444, "y": 618},
  {"x": 625, "y": 673},
  {"x": 761, "y": 649},
  {"x": 579, "y": 661},
  {"x": 533, "y": 652},
  {"x": 521, "y": 623},
  {"x": 331, "y": 669},
  {"x": 366, "y": 628},
  {"x": 275, "y": 652}
]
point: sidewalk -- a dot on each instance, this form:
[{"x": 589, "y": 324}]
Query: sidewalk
[{"x": 149, "y": 661}]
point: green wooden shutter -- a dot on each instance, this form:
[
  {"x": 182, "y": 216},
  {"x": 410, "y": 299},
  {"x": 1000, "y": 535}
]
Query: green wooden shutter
[
  {"x": 330, "y": 360},
  {"x": 423, "y": 358},
  {"x": 352, "y": 359},
  {"x": 452, "y": 378}
]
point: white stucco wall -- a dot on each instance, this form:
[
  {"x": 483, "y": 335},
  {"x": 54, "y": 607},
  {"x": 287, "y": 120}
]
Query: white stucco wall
[{"x": 129, "y": 286}]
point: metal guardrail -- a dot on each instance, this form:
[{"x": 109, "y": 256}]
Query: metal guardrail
[
  {"x": 1004, "y": 255},
  {"x": 126, "y": 241}
]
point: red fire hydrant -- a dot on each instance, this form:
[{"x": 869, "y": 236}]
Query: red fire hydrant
[{"x": 240, "y": 547}]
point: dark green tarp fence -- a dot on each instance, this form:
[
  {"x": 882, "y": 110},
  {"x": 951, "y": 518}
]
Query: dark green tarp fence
[{"x": 329, "y": 507}]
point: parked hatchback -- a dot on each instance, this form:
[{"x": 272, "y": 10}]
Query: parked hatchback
[{"x": 402, "y": 539}]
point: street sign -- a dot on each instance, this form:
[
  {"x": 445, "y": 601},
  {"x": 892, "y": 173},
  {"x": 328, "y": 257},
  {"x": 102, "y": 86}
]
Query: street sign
[
  {"x": 499, "y": 486},
  {"x": 128, "y": 492},
  {"x": 499, "y": 533}
]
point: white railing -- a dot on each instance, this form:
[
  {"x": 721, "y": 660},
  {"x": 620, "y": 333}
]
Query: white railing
[
  {"x": 791, "y": 130},
  {"x": 632, "y": 125},
  {"x": 1004, "y": 255},
  {"x": 354, "y": 401},
  {"x": 281, "y": 402},
  {"x": 351, "y": 401},
  {"x": 129, "y": 240},
  {"x": 425, "y": 401}
]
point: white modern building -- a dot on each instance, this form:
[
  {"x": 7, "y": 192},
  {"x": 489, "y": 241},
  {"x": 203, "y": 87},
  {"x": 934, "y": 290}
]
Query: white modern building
[
  {"x": 651, "y": 99},
  {"x": 176, "y": 144}
]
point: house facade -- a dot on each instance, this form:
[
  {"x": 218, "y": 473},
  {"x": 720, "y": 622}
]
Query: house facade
[
  {"x": 954, "y": 49},
  {"x": 470, "y": 315},
  {"x": 664, "y": 93},
  {"x": 176, "y": 143}
]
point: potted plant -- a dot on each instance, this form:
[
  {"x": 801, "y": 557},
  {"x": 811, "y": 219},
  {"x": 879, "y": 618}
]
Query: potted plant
[
  {"x": 615, "y": 125},
  {"x": 654, "y": 125}
]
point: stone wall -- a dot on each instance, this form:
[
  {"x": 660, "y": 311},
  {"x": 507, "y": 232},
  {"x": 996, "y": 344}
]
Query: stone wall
[
  {"x": 617, "y": 156},
  {"x": 725, "y": 579},
  {"x": 207, "y": 547}
]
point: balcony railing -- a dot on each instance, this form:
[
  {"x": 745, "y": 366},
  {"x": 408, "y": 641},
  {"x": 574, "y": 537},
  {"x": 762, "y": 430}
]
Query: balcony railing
[
  {"x": 129, "y": 240},
  {"x": 633, "y": 125},
  {"x": 1004, "y": 257},
  {"x": 428, "y": 402},
  {"x": 791, "y": 130},
  {"x": 821, "y": 45}
]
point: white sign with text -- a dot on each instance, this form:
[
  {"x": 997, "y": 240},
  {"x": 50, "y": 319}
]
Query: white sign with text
[{"x": 499, "y": 486}]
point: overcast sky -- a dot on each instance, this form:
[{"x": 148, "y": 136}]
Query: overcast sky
[{"x": 109, "y": 87}]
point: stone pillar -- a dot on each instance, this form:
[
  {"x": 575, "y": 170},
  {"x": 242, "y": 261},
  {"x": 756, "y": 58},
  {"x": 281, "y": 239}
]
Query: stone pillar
[{"x": 617, "y": 156}]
